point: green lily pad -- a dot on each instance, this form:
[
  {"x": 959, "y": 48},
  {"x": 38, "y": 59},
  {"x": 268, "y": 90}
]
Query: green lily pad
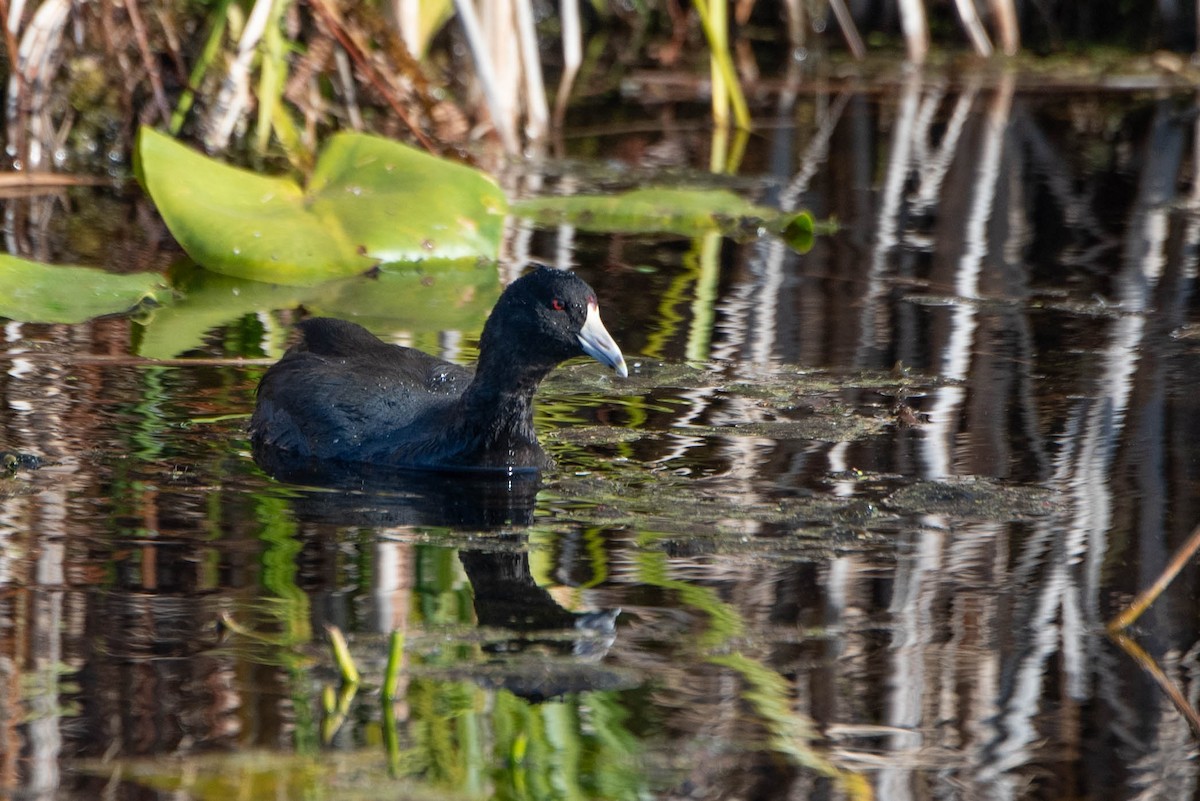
[
  {"x": 412, "y": 298},
  {"x": 370, "y": 201},
  {"x": 32, "y": 292},
  {"x": 685, "y": 212}
]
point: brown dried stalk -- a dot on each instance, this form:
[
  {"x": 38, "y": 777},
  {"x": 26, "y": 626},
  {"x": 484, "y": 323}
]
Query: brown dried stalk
[
  {"x": 362, "y": 61},
  {"x": 148, "y": 59},
  {"x": 1147, "y": 596}
]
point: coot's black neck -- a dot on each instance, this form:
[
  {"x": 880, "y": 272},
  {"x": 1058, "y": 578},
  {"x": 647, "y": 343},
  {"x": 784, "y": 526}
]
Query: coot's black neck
[
  {"x": 497, "y": 413},
  {"x": 500, "y": 398}
]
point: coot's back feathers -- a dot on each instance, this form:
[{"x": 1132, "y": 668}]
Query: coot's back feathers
[
  {"x": 361, "y": 351},
  {"x": 329, "y": 337},
  {"x": 343, "y": 395}
]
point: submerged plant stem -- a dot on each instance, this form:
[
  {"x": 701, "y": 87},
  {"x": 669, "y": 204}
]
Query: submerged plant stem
[
  {"x": 391, "y": 684},
  {"x": 391, "y": 675},
  {"x": 341, "y": 654}
]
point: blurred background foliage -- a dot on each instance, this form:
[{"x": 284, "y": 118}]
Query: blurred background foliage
[{"x": 490, "y": 77}]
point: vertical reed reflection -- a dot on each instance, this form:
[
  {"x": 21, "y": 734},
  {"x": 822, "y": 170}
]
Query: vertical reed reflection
[
  {"x": 986, "y": 257},
  {"x": 1028, "y": 261}
]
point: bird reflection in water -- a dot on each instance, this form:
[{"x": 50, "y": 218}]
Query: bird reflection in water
[{"x": 540, "y": 649}]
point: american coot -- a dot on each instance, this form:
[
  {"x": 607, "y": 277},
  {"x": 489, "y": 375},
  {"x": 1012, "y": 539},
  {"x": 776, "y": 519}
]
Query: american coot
[{"x": 341, "y": 395}]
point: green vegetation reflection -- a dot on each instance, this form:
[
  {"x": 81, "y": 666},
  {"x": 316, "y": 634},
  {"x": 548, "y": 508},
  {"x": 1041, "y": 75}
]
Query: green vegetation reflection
[{"x": 466, "y": 743}]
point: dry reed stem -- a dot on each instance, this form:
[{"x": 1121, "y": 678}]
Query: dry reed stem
[
  {"x": 18, "y": 88},
  {"x": 916, "y": 30},
  {"x": 485, "y": 67},
  {"x": 406, "y": 65},
  {"x": 1006, "y": 26},
  {"x": 849, "y": 29},
  {"x": 40, "y": 55},
  {"x": 969, "y": 14},
  {"x": 572, "y": 39},
  {"x": 233, "y": 97}
]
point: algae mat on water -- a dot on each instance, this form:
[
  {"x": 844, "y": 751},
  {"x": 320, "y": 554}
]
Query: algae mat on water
[{"x": 369, "y": 201}]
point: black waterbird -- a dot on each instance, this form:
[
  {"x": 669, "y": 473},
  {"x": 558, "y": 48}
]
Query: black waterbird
[{"x": 343, "y": 396}]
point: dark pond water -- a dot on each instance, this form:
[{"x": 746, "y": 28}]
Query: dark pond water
[{"x": 857, "y": 519}]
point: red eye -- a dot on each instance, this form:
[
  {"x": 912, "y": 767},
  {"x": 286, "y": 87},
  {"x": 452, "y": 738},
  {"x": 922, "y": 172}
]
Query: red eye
[{"x": 557, "y": 305}]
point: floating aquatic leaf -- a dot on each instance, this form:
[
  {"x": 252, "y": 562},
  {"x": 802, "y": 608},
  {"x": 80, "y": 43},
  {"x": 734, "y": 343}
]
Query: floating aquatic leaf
[
  {"x": 416, "y": 298},
  {"x": 370, "y": 201},
  {"x": 33, "y": 292},
  {"x": 686, "y": 212}
]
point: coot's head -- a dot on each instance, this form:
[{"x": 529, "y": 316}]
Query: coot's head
[{"x": 546, "y": 317}]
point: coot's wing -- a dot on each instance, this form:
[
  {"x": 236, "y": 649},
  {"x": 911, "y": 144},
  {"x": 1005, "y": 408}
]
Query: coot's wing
[
  {"x": 340, "y": 339},
  {"x": 342, "y": 390}
]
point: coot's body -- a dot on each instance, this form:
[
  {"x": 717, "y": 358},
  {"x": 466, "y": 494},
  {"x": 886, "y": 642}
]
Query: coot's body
[{"x": 341, "y": 395}]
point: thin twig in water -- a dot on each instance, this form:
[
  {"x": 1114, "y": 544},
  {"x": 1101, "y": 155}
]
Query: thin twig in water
[
  {"x": 1143, "y": 600},
  {"x": 1148, "y": 664},
  {"x": 24, "y": 180}
]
